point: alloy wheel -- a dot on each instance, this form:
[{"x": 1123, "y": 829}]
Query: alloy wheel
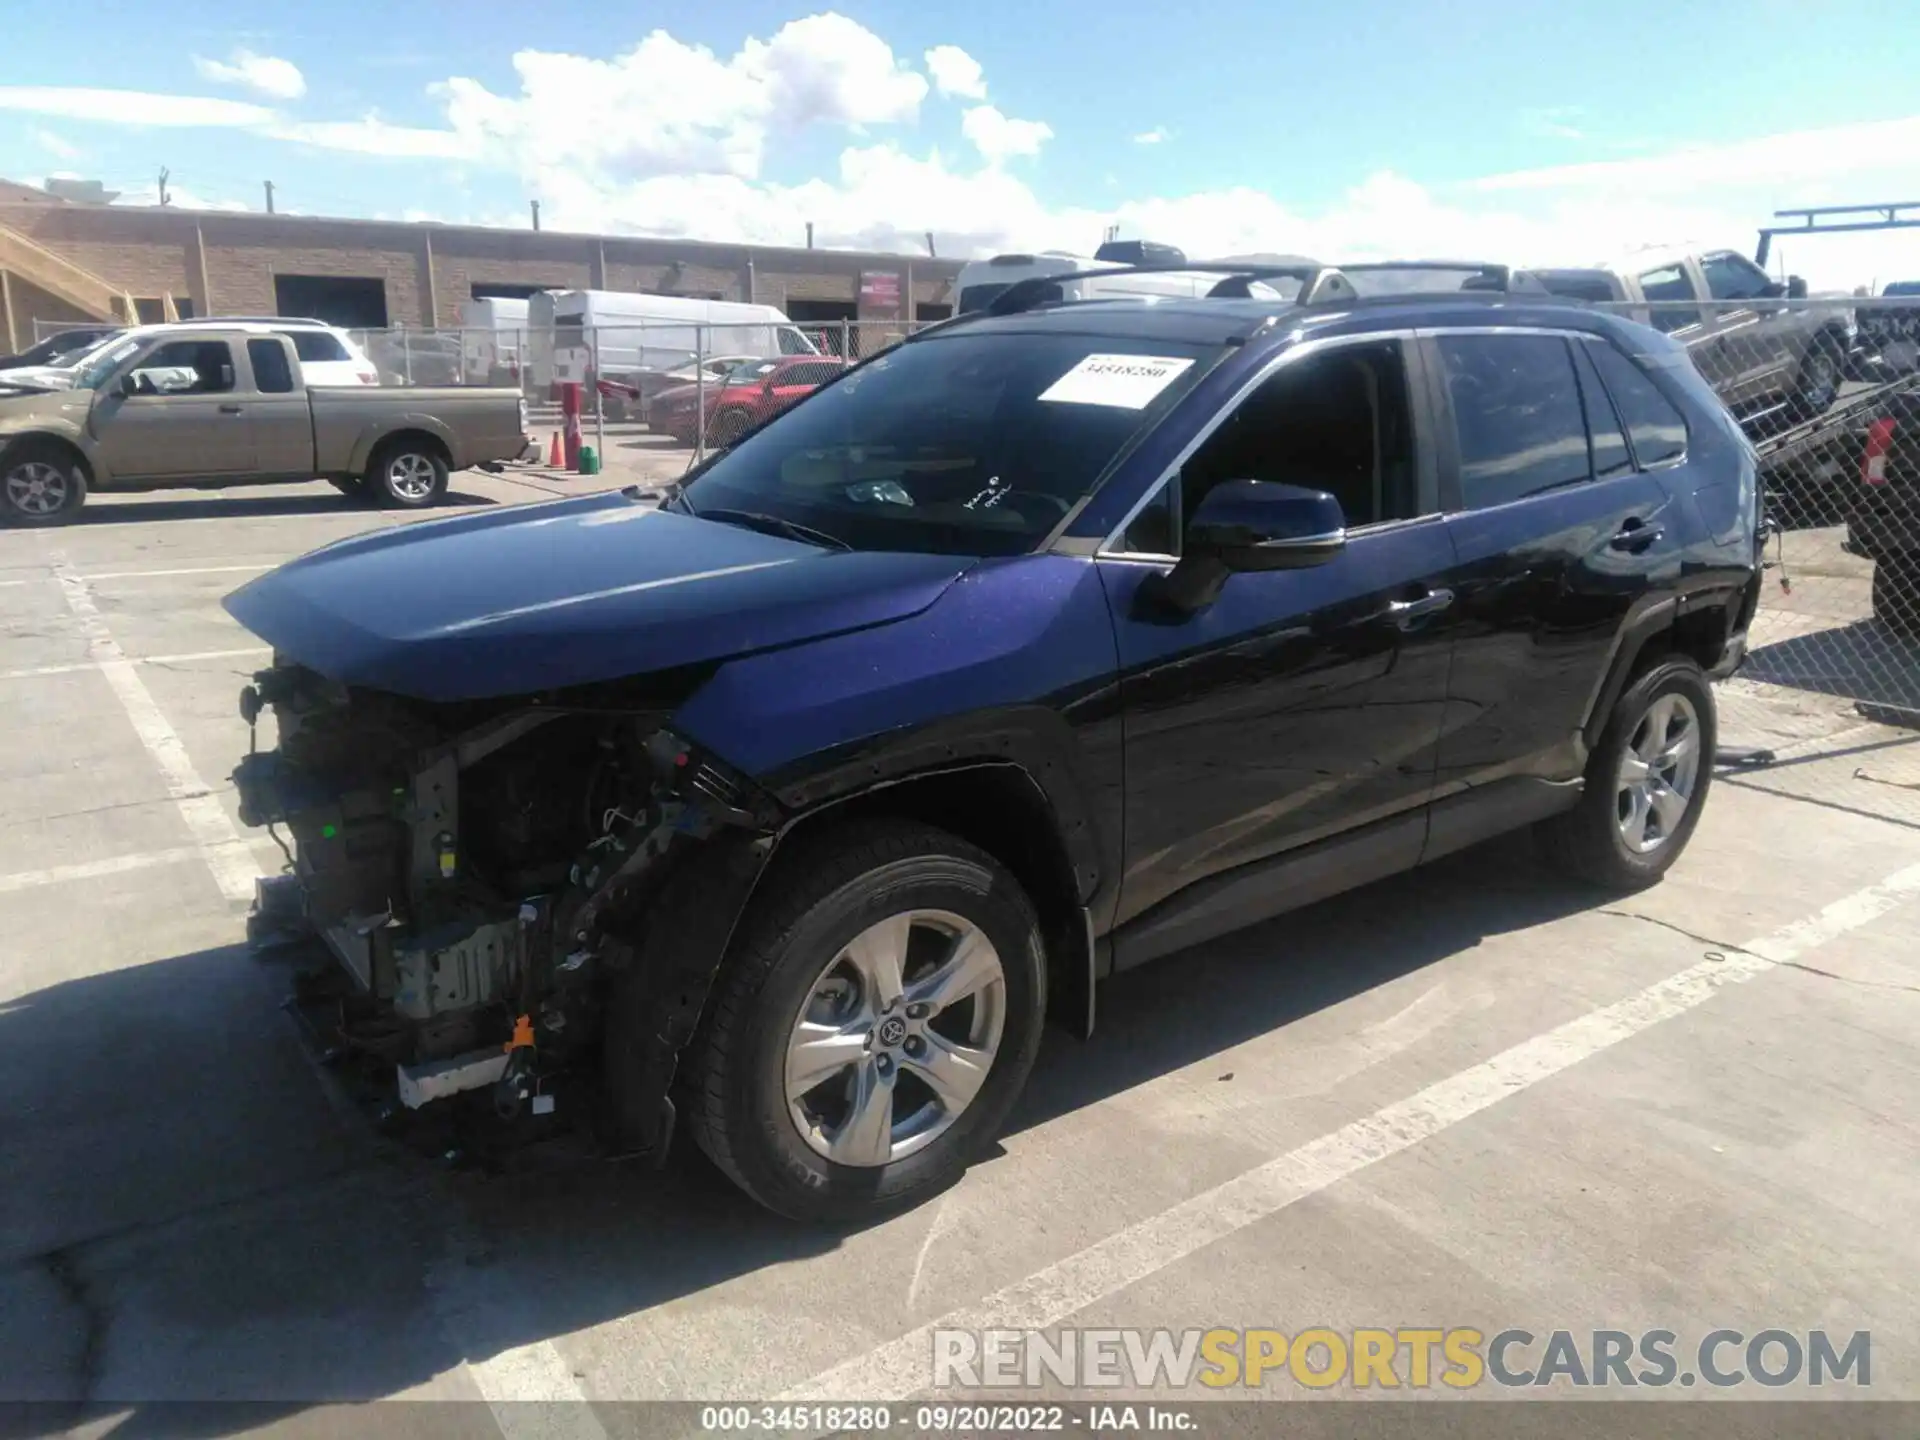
[
  {"x": 895, "y": 1038},
  {"x": 1658, "y": 773},
  {"x": 37, "y": 488},
  {"x": 411, "y": 476}
]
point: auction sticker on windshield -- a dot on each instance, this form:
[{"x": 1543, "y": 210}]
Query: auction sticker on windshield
[{"x": 1127, "y": 381}]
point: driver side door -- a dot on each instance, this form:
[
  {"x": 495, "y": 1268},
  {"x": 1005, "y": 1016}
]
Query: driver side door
[
  {"x": 186, "y": 419},
  {"x": 1281, "y": 741}
]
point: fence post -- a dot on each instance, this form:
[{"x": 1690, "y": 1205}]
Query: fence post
[
  {"x": 406, "y": 355},
  {"x": 699, "y": 393},
  {"x": 599, "y": 400},
  {"x": 845, "y": 354}
]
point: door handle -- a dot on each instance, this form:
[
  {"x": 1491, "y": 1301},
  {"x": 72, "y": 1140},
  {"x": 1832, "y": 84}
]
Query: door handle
[
  {"x": 1401, "y": 612},
  {"x": 1636, "y": 535},
  {"x": 229, "y": 409}
]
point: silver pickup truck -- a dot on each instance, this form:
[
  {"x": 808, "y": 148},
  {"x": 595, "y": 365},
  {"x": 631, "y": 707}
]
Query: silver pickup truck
[
  {"x": 1757, "y": 341},
  {"x": 207, "y": 407}
]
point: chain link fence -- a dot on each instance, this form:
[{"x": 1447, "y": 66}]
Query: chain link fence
[{"x": 1828, "y": 391}]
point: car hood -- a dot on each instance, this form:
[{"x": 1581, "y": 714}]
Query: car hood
[
  {"x": 542, "y": 597},
  {"x": 50, "y": 377},
  {"x": 26, "y": 409}
]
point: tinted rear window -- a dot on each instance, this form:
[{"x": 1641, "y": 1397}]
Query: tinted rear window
[
  {"x": 1516, "y": 411},
  {"x": 271, "y": 374},
  {"x": 316, "y": 345},
  {"x": 1657, "y": 431}
]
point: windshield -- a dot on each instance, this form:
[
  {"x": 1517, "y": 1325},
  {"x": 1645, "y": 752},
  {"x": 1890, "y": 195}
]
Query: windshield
[
  {"x": 978, "y": 297},
  {"x": 93, "y": 371},
  {"x": 751, "y": 371},
  {"x": 1420, "y": 279},
  {"x": 965, "y": 444}
]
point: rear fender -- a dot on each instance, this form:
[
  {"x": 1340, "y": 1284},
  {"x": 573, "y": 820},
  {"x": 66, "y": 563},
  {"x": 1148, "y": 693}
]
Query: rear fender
[{"x": 374, "y": 431}]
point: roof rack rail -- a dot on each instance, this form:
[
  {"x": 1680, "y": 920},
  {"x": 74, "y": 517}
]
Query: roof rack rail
[{"x": 1317, "y": 282}]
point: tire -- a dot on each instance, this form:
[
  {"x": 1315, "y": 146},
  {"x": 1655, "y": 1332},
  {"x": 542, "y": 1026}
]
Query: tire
[
  {"x": 726, "y": 427},
  {"x": 1817, "y": 385},
  {"x": 794, "y": 956},
  {"x": 1592, "y": 841},
  {"x": 40, "y": 484},
  {"x": 1896, "y": 595},
  {"x": 407, "y": 474}
]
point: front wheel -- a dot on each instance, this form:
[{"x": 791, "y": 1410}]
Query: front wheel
[
  {"x": 1818, "y": 385},
  {"x": 1646, "y": 782},
  {"x": 874, "y": 1021},
  {"x": 40, "y": 484},
  {"x": 408, "y": 475}
]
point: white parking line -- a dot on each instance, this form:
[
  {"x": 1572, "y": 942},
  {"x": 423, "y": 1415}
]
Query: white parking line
[
  {"x": 220, "y": 844},
  {"x": 95, "y": 869},
  {"x": 900, "y": 1369},
  {"x": 143, "y": 574},
  {"x": 79, "y": 665}
]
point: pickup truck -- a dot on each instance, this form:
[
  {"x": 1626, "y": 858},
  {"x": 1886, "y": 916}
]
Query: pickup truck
[
  {"x": 1764, "y": 351},
  {"x": 177, "y": 405}
]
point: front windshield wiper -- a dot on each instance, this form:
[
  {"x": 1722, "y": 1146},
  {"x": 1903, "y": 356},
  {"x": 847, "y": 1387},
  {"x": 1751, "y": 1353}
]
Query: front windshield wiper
[{"x": 768, "y": 524}]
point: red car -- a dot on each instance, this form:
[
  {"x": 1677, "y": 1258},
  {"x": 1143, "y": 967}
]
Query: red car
[{"x": 749, "y": 394}]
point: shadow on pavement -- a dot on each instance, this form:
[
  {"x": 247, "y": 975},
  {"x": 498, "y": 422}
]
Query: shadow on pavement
[
  {"x": 1863, "y": 661},
  {"x": 211, "y": 1225}
]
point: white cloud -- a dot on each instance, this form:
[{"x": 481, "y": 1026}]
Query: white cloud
[
  {"x": 1151, "y": 137},
  {"x": 374, "y": 136},
  {"x": 132, "y": 107},
  {"x": 55, "y": 145},
  {"x": 1554, "y": 122},
  {"x": 267, "y": 75},
  {"x": 999, "y": 137},
  {"x": 956, "y": 73}
]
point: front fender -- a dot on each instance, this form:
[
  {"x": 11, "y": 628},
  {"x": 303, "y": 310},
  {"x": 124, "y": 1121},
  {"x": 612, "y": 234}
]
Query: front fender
[{"x": 1016, "y": 663}]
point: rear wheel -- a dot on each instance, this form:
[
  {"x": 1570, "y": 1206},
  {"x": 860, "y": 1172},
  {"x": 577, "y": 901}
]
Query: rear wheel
[
  {"x": 408, "y": 474},
  {"x": 1646, "y": 782},
  {"x": 873, "y": 1023},
  {"x": 41, "y": 484},
  {"x": 1896, "y": 594}
]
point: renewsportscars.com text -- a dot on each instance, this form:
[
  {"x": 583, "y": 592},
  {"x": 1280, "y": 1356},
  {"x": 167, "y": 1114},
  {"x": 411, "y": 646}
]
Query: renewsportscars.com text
[{"x": 1413, "y": 1358}]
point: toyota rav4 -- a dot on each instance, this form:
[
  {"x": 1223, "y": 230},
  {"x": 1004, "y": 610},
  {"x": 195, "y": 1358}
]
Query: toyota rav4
[{"x": 1058, "y": 638}]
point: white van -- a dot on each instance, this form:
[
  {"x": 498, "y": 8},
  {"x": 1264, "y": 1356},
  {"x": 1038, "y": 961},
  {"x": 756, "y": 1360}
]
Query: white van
[
  {"x": 492, "y": 335},
  {"x": 638, "y": 335},
  {"x": 981, "y": 282}
]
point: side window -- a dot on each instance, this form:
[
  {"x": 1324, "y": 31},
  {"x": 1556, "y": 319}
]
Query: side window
[
  {"x": 1338, "y": 421},
  {"x": 186, "y": 367},
  {"x": 1733, "y": 277},
  {"x": 1516, "y": 411},
  {"x": 1659, "y": 433},
  {"x": 1152, "y": 531},
  {"x": 271, "y": 373},
  {"x": 1669, "y": 284},
  {"x": 1610, "y": 454},
  {"x": 316, "y": 345}
]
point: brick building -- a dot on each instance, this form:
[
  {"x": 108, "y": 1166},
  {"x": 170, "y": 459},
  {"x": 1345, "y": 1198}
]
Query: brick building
[{"x": 62, "y": 261}]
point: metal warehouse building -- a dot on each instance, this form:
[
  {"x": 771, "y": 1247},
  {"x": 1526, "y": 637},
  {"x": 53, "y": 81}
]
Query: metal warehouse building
[{"x": 64, "y": 261}]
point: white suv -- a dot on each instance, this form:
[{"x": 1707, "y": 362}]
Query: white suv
[{"x": 328, "y": 354}]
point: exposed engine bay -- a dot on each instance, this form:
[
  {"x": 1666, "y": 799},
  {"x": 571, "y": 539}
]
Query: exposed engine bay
[{"x": 498, "y": 884}]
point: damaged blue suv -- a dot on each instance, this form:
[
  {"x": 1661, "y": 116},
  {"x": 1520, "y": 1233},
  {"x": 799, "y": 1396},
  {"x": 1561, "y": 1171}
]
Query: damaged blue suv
[{"x": 1059, "y": 638}]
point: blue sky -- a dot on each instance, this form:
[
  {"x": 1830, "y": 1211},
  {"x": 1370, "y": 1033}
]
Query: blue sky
[{"x": 1511, "y": 130}]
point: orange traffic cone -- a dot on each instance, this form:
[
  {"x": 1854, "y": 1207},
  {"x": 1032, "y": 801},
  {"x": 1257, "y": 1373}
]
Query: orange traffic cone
[{"x": 554, "y": 458}]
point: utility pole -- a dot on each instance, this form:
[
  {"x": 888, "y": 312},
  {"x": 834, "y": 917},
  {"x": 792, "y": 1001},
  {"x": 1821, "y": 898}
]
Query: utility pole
[
  {"x": 164, "y": 173},
  {"x": 269, "y": 197},
  {"x": 809, "y": 234},
  {"x": 536, "y": 213},
  {"x": 930, "y": 250}
]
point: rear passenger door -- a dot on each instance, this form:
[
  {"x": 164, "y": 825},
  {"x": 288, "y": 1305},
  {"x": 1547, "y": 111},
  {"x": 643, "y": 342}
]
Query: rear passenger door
[
  {"x": 279, "y": 416},
  {"x": 1559, "y": 538}
]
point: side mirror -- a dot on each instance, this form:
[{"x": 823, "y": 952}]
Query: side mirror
[
  {"x": 1247, "y": 525},
  {"x": 1260, "y": 525},
  {"x": 128, "y": 386},
  {"x": 1796, "y": 288}
]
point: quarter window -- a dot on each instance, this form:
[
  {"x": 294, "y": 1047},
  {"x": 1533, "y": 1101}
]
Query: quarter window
[
  {"x": 1659, "y": 434},
  {"x": 271, "y": 373},
  {"x": 1516, "y": 411}
]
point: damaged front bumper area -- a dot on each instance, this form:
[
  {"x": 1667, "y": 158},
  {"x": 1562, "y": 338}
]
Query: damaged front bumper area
[{"x": 504, "y": 891}]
